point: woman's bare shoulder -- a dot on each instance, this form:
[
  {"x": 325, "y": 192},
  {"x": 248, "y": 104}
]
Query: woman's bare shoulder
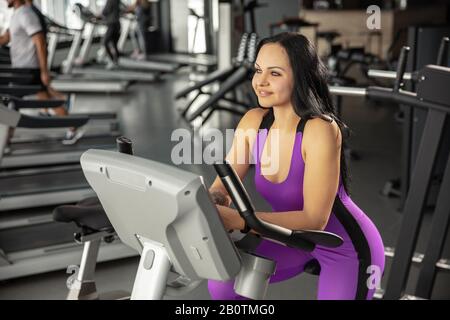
[
  {"x": 318, "y": 128},
  {"x": 252, "y": 118}
]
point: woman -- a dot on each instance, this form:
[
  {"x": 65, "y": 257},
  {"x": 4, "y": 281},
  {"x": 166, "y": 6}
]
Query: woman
[
  {"x": 111, "y": 16},
  {"x": 142, "y": 10},
  {"x": 300, "y": 135}
]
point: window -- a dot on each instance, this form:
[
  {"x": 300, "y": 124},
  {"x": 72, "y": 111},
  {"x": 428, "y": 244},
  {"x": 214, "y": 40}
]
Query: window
[
  {"x": 71, "y": 19},
  {"x": 5, "y": 16},
  {"x": 196, "y": 27}
]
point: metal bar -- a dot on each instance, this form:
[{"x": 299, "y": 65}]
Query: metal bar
[
  {"x": 435, "y": 246},
  {"x": 386, "y": 74},
  {"x": 89, "y": 260},
  {"x": 401, "y": 66},
  {"x": 414, "y": 205},
  {"x": 348, "y": 91},
  {"x": 88, "y": 85},
  {"x": 189, "y": 105},
  {"x": 68, "y": 64},
  {"x": 405, "y": 171}
]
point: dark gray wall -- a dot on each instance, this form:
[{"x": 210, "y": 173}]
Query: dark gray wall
[{"x": 275, "y": 11}]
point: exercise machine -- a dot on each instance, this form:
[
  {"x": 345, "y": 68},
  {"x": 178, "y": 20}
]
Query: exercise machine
[
  {"x": 76, "y": 83},
  {"x": 94, "y": 230},
  {"x": 175, "y": 227},
  {"x": 433, "y": 97},
  {"x": 229, "y": 79},
  {"x": 78, "y": 64},
  {"x": 32, "y": 187}
]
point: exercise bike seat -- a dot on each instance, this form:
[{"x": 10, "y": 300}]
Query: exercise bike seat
[{"x": 87, "y": 214}]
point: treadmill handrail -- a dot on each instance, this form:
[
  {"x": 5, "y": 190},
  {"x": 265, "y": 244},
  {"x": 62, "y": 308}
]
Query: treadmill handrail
[
  {"x": 18, "y": 103},
  {"x": 26, "y": 121},
  {"x": 13, "y": 75},
  {"x": 19, "y": 90}
]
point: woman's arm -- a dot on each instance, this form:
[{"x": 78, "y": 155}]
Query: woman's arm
[
  {"x": 240, "y": 153},
  {"x": 321, "y": 146}
]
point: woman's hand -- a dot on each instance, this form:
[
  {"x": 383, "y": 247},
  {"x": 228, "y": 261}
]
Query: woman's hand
[
  {"x": 219, "y": 198},
  {"x": 230, "y": 218}
]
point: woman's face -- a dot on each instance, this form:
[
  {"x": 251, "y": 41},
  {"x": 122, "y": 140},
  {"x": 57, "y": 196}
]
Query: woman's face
[{"x": 273, "y": 80}]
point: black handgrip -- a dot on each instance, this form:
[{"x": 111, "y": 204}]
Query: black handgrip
[
  {"x": 235, "y": 188},
  {"x": 401, "y": 67},
  {"x": 443, "y": 51},
  {"x": 246, "y": 209},
  {"x": 302, "y": 239},
  {"x": 124, "y": 145}
]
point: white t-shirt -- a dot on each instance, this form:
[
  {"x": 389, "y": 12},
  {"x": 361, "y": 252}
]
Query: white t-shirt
[{"x": 24, "y": 24}]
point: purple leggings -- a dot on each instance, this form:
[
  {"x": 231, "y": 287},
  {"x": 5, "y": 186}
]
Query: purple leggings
[{"x": 344, "y": 273}]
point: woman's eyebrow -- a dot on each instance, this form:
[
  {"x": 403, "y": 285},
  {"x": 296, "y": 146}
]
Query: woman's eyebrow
[{"x": 273, "y": 67}]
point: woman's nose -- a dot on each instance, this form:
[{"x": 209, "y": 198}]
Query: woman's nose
[{"x": 261, "y": 80}]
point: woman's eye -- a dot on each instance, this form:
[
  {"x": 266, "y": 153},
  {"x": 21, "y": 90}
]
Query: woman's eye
[
  {"x": 276, "y": 74},
  {"x": 258, "y": 71}
]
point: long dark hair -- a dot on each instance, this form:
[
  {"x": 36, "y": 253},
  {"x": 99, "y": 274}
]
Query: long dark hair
[{"x": 310, "y": 96}]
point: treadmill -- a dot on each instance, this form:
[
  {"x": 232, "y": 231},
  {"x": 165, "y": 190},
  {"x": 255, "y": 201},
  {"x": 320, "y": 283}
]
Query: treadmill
[
  {"x": 28, "y": 154},
  {"x": 128, "y": 23},
  {"x": 37, "y": 187},
  {"x": 78, "y": 65},
  {"x": 31, "y": 242},
  {"x": 99, "y": 124},
  {"x": 34, "y": 152},
  {"x": 76, "y": 83}
]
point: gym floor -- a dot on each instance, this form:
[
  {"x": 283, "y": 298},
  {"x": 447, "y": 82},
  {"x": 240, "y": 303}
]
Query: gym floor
[{"x": 148, "y": 115}]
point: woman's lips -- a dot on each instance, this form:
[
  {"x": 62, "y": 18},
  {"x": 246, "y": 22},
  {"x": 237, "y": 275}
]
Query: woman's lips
[{"x": 263, "y": 93}]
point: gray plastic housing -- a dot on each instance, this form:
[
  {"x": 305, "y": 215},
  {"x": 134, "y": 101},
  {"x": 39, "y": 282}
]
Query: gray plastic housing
[{"x": 169, "y": 206}]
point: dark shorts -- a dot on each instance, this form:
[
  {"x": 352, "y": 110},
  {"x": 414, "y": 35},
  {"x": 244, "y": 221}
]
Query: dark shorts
[{"x": 35, "y": 79}]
